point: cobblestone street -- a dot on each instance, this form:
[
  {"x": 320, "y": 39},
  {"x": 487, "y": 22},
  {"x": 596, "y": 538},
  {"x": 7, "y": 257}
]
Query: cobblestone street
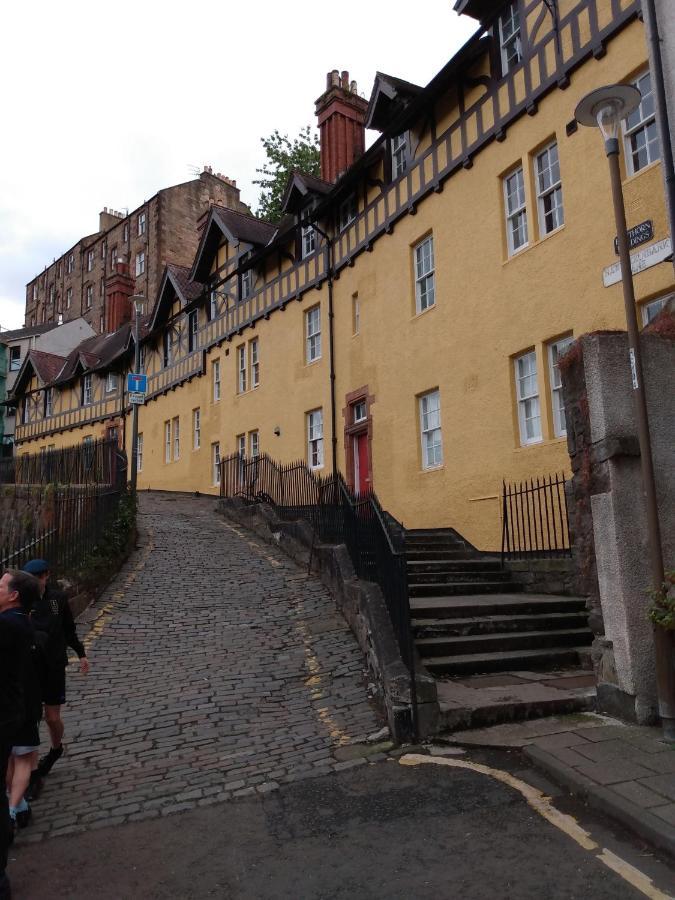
[{"x": 218, "y": 670}]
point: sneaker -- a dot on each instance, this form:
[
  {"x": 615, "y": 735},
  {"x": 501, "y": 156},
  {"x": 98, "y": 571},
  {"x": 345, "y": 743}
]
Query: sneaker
[
  {"x": 48, "y": 760},
  {"x": 23, "y": 817}
]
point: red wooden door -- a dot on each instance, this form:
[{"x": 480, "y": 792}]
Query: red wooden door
[{"x": 361, "y": 467}]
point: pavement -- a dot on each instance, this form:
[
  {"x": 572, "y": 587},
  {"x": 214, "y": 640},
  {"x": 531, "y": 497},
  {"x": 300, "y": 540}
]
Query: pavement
[
  {"x": 625, "y": 771},
  {"x": 218, "y": 669}
]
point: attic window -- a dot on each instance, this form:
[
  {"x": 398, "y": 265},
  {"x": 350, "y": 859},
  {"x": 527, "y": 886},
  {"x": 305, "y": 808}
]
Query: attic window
[
  {"x": 509, "y": 38},
  {"x": 87, "y": 394},
  {"x": 348, "y": 211},
  {"x": 308, "y": 240},
  {"x": 246, "y": 284},
  {"x": 399, "y": 154}
]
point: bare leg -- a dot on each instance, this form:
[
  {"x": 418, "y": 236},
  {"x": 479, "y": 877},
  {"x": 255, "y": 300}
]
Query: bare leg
[
  {"x": 54, "y": 724},
  {"x": 10, "y": 772},
  {"x": 22, "y": 767}
]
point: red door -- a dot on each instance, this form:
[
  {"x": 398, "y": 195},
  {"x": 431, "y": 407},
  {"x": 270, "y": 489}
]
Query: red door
[{"x": 361, "y": 473}]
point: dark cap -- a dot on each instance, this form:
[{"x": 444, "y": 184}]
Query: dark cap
[{"x": 36, "y": 567}]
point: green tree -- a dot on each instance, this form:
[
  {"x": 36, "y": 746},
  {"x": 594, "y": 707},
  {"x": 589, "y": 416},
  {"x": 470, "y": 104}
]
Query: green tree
[{"x": 283, "y": 157}]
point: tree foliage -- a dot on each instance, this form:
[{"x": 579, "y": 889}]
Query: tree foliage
[{"x": 283, "y": 157}]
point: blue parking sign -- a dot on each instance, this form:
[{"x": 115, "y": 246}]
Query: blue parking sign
[{"x": 137, "y": 384}]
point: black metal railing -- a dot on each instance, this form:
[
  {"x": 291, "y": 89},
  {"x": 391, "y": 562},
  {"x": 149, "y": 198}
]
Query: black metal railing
[
  {"x": 337, "y": 515},
  {"x": 535, "y": 521},
  {"x": 42, "y": 515}
]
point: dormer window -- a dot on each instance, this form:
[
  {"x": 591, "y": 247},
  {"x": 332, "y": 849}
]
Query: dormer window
[
  {"x": 166, "y": 349},
  {"x": 86, "y": 390},
  {"x": 509, "y": 38},
  {"x": 213, "y": 304},
  {"x": 193, "y": 326},
  {"x": 247, "y": 284},
  {"x": 399, "y": 154},
  {"x": 348, "y": 212},
  {"x": 308, "y": 240},
  {"x": 48, "y": 403}
]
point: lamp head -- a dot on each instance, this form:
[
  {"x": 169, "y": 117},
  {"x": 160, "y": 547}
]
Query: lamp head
[
  {"x": 606, "y": 107},
  {"x": 139, "y": 303}
]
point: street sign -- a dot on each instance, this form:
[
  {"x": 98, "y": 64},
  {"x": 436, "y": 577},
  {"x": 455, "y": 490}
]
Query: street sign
[
  {"x": 642, "y": 259},
  {"x": 640, "y": 234},
  {"x": 137, "y": 397},
  {"x": 137, "y": 384}
]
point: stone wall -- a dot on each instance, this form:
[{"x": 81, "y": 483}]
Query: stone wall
[
  {"x": 364, "y": 608},
  {"x": 545, "y": 576},
  {"x": 607, "y": 510}
]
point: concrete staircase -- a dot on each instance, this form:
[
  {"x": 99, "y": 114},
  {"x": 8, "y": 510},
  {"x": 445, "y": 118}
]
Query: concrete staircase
[{"x": 470, "y": 618}]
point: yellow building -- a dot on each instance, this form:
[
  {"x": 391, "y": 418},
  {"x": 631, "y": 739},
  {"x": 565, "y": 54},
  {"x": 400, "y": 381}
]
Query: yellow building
[{"x": 406, "y": 316}]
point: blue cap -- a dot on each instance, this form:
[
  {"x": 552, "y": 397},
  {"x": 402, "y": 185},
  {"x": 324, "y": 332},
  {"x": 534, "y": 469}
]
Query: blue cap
[{"x": 36, "y": 566}]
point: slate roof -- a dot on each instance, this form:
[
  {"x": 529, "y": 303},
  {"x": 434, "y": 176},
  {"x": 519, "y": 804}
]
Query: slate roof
[
  {"x": 389, "y": 95},
  {"x": 19, "y": 333},
  {"x": 246, "y": 228},
  {"x": 46, "y": 365}
]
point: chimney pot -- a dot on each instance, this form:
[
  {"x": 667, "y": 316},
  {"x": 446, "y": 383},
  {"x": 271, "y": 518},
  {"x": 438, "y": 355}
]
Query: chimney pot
[
  {"x": 345, "y": 79},
  {"x": 341, "y": 117}
]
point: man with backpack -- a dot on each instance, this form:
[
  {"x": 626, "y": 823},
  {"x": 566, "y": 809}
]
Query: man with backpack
[{"x": 54, "y": 616}]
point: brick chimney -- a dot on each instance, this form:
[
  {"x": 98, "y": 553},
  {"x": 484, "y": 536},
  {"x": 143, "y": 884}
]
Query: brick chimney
[
  {"x": 341, "y": 117},
  {"x": 119, "y": 287}
]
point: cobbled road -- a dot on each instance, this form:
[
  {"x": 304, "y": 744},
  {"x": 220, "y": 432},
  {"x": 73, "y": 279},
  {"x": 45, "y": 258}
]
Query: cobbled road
[{"x": 218, "y": 670}]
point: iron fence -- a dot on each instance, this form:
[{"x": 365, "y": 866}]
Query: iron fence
[
  {"x": 337, "y": 515},
  {"x": 535, "y": 521},
  {"x": 42, "y": 515}
]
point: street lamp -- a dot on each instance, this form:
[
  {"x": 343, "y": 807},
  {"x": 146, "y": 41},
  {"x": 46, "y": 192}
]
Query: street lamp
[
  {"x": 606, "y": 107},
  {"x": 138, "y": 301}
]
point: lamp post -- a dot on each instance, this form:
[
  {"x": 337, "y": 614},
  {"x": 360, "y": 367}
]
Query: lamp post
[
  {"x": 138, "y": 301},
  {"x": 605, "y": 108}
]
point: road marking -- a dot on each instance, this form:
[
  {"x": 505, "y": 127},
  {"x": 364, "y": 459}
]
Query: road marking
[
  {"x": 542, "y": 804},
  {"x": 104, "y": 614}
]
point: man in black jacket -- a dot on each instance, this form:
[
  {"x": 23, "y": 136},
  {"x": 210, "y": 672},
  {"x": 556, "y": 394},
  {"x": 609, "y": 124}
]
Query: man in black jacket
[
  {"x": 18, "y": 593},
  {"x": 55, "y": 616}
]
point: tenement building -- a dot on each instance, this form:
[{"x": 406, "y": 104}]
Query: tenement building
[
  {"x": 406, "y": 318},
  {"x": 161, "y": 230}
]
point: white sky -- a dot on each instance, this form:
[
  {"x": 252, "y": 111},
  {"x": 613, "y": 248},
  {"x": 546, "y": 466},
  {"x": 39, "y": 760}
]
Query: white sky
[{"x": 104, "y": 105}]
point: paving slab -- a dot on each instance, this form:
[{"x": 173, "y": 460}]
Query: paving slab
[{"x": 632, "y": 778}]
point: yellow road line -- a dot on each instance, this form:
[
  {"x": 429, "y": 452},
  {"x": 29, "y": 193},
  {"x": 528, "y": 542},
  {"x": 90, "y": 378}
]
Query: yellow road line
[{"x": 542, "y": 804}]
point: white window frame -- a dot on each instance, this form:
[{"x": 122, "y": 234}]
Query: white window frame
[
  {"x": 71, "y": 263},
  {"x": 359, "y": 411},
  {"x": 167, "y": 349},
  {"x": 425, "y": 277},
  {"x": 90, "y": 260},
  {"x": 113, "y": 258},
  {"x": 255, "y": 363},
  {"x": 196, "y": 428},
  {"x": 313, "y": 334},
  {"x": 215, "y": 462},
  {"x": 167, "y": 441},
  {"x": 175, "y": 428},
  {"x": 348, "y": 211},
  {"x": 399, "y": 154},
  {"x": 213, "y": 304},
  {"x": 652, "y": 308},
  {"x": 241, "y": 445},
  {"x": 431, "y": 431},
  {"x": 515, "y": 209},
  {"x": 87, "y": 390},
  {"x": 69, "y": 297},
  {"x": 556, "y": 349},
  {"x": 527, "y": 400},
  {"x": 140, "y": 263},
  {"x": 111, "y": 382},
  {"x": 356, "y": 314},
  {"x": 215, "y": 373},
  {"x": 246, "y": 284},
  {"x": 314, "y": 420},
  {"x": 49, "y": 404},
  {"x": 254, "y": 443},
  {"x": 510, "y": 39},
  {"x": 307, "y": 240},
  {"x": 89, "y": 296},
  {"x": 642, "y": 122},
  {"x": 549, "y": 189},
  {"x": 141, "y": 224},
  {"x": 125, "y": 233},
  {"x": 242, "y": 364},
  {"x": 193, "y": 329},
  {"x": 14, "y": 360},
  {"x": 139, "y": 452}
]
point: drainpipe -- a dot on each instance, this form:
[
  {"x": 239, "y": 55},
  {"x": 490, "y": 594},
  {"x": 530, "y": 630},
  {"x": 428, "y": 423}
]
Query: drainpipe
[
  {"x": 649, "y": 12},
  {"x": 331, "y": 344}
]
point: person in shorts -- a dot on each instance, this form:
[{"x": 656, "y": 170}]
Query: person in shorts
[
  {"x": 54, "y": 616},
  {"x": 20, "y": 706}
]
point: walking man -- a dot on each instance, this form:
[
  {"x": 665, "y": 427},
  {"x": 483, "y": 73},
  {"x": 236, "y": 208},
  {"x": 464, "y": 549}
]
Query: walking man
[
  {"x": 55, "y": 615},
  {"x": 18, "y": 593}
]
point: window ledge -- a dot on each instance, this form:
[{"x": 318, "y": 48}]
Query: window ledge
[
  {"x": 532, "y": 245},
  {"x": 418, "y": 315},
  {"x": 432, "y": 469},
  {"x": 635, "y": 175}
]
